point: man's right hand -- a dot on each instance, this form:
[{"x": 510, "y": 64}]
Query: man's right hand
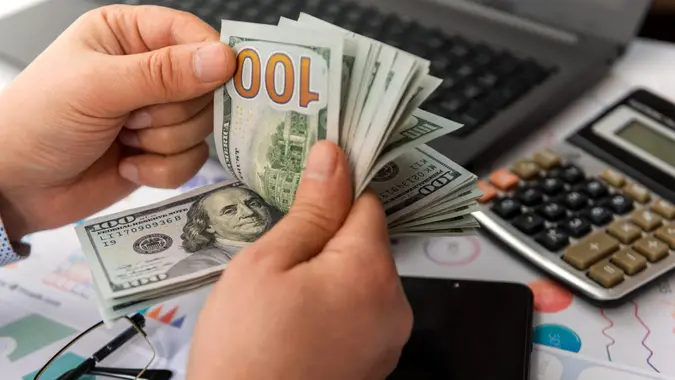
[{"x": 317, "y": 297}]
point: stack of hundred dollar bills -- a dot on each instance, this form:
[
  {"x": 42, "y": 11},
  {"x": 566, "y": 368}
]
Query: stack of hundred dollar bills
[{"x": 295, "y": 83}]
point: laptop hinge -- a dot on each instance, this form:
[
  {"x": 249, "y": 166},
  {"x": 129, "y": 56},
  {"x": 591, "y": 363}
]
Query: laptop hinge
[{"x": 513, "y": 21}]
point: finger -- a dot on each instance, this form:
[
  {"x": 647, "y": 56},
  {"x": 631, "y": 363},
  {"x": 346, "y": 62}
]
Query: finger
[
  {"x": 321, "y": 204},
  {"x": 164, "y": 171},
  {"x": 138, "y": 29},
  {"x": 172, "y": 139},
  {"x": 162, "y": 115},
  {"x": 168, "y": 75},
  {"x": 364, "y": 237}
]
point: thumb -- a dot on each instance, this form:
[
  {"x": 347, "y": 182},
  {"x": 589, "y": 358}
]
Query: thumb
[
  {"x": 321, "y": 205},
  {"x": 170, "y": 74}
]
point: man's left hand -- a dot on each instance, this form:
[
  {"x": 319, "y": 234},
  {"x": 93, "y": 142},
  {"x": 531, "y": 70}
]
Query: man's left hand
[{"x": 124, "y": 97}]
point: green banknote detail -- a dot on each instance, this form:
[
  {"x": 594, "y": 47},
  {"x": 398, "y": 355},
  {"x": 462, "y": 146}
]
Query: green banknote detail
[
  {"x": 279, "y": 151},
  {"x": 347, "y": 72},
  {"x": 285, "y": 160}
]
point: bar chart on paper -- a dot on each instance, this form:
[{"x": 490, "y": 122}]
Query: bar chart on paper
[{"x": 165, "y": 315}]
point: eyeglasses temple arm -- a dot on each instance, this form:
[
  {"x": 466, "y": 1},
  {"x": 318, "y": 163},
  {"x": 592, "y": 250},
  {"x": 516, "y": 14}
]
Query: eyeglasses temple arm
[
  {"x": 79, "y": 371},
  {"x": 119, "y": 340},
  {"x": 149, "y": 374}
]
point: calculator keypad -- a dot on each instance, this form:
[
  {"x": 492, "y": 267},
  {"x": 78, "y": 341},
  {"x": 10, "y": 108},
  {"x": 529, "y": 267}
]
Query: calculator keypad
[
  {"x": 554, "y": 239},
  {"x": 664, "y": 209},
  {"x": 651, "y": 248},
  {"x": 629, "y": 261},
  {"x": 590, "y": 250},
  {"x": 646, "y": 219},
  {"x": 529, "y": 223},
  {"x": 602, "y": 224},
  {"x": 667, "y": 234},
  {"x": 575, "y": 200},
  {"x": 619, "y": 203},
  {"x": 625, "y": 231},
  {"x": 606, "y": 274},
  {"x": 577, "y": 226}
]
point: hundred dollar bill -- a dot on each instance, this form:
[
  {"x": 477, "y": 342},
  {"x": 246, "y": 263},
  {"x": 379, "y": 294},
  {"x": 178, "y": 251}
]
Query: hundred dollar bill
[
  {"x": 401, "y": 120},
  {"x": 285, "y": 95},
  {"x": 175, "y": 242},
  {"x": 407, "y": 85},
  {"x": 295, "y": 83},
  {"x": 417, "y": 179},
  {"x": 357, "y": 60},
  {"x": 464, "y": 221},
  {"x": 421, "y": 128},
  {"x": 449, "y": 216},
  {"x": 449, "y": 205},
  {"x": 440, "y": 233},
  {"x": 187, "y": 238},
  {"x": 372, "y": 131},
  {"x": 367, "y": 77},
  {"x": 383, "y": 72}
]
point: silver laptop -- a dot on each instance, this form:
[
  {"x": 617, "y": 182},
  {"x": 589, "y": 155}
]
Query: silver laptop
[{"x": 508, "y": 65}]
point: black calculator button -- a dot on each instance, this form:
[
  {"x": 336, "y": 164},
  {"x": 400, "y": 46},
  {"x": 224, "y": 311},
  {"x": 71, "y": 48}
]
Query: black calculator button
[
  {"x": 553, "y": 239},
  {"x": 529, "y": 196},
  {"x": 552, "y": 211},
  {"x": 507, "y": 208},
  {"x": 572, "y": 174},
  {"x": 618, "y": 203},
  {"x": 577, "y": 226},
  {"x": 594, "y": 188},
  {"x": 575, "y": 200},
  {"x": 599, "y": 215},
  {"x": 556, "y": 171},
  {"x": 529, "y": 223},
  {"x": 552, "y": 185}
]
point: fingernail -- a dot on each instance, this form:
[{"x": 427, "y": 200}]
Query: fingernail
[
  {"x": 321, "y": 161},
  {"x": 139, "y": 120},
  {"x": 210, "y": 62},
  {"x": 129, "y": 138},
  {"x": 129, "y": 171}
]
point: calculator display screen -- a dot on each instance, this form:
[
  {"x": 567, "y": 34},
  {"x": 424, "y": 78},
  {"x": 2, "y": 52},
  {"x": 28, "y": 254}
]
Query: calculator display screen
[
  {"x": 636, "y": 136},
  {"x": 650, "y": 140}
]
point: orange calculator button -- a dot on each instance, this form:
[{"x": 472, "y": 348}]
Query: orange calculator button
[
  {"x": 489, "y": 191},
  {"x": 504, "y": 179}
]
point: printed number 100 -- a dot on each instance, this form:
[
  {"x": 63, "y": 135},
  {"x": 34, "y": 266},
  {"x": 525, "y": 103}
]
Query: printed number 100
[{"x": 276, "y": 61}]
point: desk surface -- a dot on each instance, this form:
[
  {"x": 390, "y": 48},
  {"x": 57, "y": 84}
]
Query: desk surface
[{"x": 53, "y": 288}]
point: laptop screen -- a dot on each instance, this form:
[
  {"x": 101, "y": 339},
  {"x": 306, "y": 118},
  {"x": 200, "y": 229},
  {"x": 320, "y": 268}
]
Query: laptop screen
[{"x": 615, "y": 20}]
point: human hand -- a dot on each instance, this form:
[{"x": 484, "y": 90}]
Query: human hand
[
  {"x": 122, "y": 98},
  {"x": 316, "y": 297}
]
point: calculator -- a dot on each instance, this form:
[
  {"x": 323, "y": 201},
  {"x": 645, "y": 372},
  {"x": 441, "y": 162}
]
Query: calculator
[{"x": 596, "y": 210}]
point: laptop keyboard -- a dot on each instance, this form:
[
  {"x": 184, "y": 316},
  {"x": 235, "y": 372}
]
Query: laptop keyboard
[{"x": 479, "y": 80}]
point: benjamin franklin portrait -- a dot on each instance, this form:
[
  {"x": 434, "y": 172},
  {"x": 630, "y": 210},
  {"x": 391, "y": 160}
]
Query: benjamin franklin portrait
[{"x": 218, "y": 224}]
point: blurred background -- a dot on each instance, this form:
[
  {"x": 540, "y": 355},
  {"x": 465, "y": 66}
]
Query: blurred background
[{"x": 660, "y": 23}]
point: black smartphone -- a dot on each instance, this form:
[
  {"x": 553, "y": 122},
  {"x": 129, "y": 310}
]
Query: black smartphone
[{"x": 467, "y": 330}]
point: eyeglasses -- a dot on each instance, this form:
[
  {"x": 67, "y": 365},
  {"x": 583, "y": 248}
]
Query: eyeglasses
[{"x": 62, "y": 366}]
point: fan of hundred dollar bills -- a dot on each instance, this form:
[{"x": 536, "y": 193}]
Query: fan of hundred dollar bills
[{"x": 295, "y": 83}]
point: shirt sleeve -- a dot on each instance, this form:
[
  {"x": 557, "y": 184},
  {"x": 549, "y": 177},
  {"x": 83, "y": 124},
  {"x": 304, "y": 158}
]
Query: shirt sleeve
[{"x": 10, "y": 252}]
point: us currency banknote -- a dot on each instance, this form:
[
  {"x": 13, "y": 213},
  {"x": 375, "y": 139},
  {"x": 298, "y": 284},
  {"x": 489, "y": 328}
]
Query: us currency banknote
[
  {"x": 154, "y": 247},
  {"x": 295, "y": 83},
  {"x": 284, "y": 97},
  {"x": 183, "y": 243}
]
